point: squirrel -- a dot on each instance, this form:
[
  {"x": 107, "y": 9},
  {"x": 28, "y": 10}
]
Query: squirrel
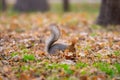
[{"x": 51, "y": 47}]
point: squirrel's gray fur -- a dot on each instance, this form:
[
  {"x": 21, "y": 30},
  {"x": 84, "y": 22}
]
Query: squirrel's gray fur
[{"x": 51, "y": 47}]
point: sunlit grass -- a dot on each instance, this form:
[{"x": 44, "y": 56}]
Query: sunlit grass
[
  {"x": 78, "y": 7},
  {"x": 58, "y": 8}
]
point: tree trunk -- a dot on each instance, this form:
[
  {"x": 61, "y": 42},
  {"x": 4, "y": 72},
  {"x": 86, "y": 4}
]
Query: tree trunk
[
  {"x": 31, "y": 5},
  {"x": 3, "y": 5},
  {"x": 109, "y": 13},
  {"x": 66, "y": 5}
]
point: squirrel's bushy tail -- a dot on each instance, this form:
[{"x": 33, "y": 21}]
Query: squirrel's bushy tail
[{"x": 55, "y": 34}]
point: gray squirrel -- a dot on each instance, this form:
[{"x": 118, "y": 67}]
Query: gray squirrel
[{"x": 50, "y": 46}]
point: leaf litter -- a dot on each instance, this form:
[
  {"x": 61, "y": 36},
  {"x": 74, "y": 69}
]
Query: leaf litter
[{"x": 94, "y": 53}]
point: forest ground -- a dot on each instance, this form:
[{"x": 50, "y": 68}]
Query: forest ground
[{"x": 94, "y": 56}]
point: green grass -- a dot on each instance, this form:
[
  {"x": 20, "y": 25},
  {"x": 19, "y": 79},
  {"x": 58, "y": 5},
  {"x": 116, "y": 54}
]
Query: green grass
[
  {"x": 95, "y": 27},
  {"x": 117, "y": 65},
  {"x": 23, "y": 51},
  {"x": 67, "y": 68},
  {"x": 78, "y": 7},
  {"x": 93, "y": 34},
  {"x": 117, "y": 53},
  {"x": 109, "y": 69},
  {"x": 25, "y": 68},
  {"x": 99, "y": 55},
  {"x": 28, "y": 57},
  {"x": 81, "y": 65},
  {"x": 14, "y": 54},
  {"x": 58, "y": 8},
  {"x": 87, "y": 47},
  {"x": 105, "y": 67},
  {"x": 51, "y": 66}
]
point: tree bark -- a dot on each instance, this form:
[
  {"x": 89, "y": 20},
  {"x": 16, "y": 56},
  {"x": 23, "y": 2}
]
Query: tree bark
[
  {"x": 109, "y": 13},
  {"x": 3, "y": 5},
  {"x": 31, "y": 5},
  {"x": 66, "y": 5}
]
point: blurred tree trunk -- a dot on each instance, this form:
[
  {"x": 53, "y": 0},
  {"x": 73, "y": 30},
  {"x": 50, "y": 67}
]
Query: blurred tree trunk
[
  {"x": 31, "y": 5},
  {"x": 3, "y": 5},
  {"x": 109, "y": 13},
  {"x": 66, "y": 5}
]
